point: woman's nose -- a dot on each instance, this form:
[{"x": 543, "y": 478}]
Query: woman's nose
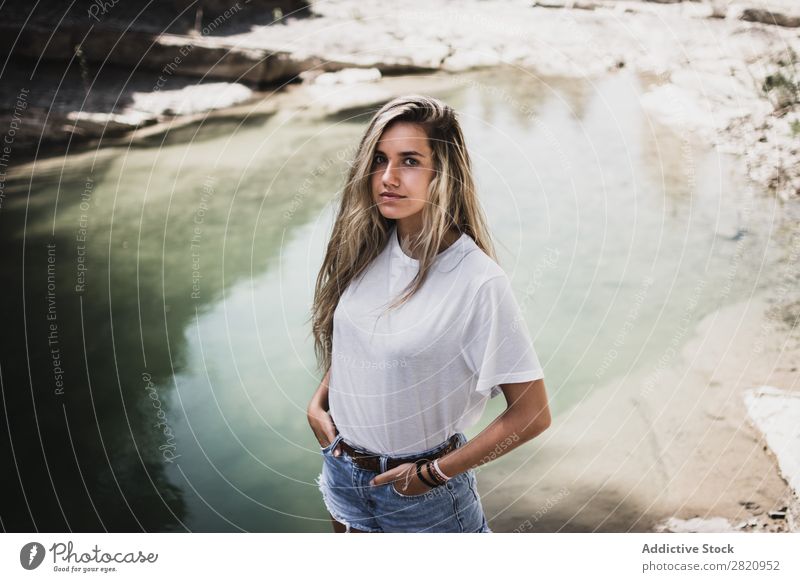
[{"x": 389, "y": 175}]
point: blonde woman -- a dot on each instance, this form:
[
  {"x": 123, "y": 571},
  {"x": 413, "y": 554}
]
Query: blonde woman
[{"x": 416, "y": 327}]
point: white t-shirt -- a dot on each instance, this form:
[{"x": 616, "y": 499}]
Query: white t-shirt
[{"x": 405, "y": 380}]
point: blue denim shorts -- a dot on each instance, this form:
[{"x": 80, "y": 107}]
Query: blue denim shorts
[{"x": 454, "y": 507}]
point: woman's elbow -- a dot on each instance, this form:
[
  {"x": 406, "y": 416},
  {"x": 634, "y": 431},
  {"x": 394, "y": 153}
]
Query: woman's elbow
[
  {"x": 527, "y": 404},
  {"x": 543, "y": 421},
  {"x": 540, "y": 423}
]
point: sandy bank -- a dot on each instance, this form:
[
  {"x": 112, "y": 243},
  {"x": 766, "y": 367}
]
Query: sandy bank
[{"x": 667, "y": 443}]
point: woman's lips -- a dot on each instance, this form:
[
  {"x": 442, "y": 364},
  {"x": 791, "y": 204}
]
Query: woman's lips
[{"x": 390, "y": 196}]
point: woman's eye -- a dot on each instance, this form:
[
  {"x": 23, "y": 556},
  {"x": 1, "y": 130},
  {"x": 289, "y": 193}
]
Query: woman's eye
[{"x": 379, "y": 159}]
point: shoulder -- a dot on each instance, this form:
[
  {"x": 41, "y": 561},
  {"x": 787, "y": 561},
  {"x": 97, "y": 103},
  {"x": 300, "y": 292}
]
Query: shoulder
[
  {"x": 482, "y": 273},
  {"x": 480, "y": 266}
]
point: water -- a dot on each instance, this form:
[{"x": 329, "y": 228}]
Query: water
[{"x": 179, "y": 325}]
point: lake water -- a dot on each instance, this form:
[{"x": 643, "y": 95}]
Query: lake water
[{"x": 157, "y": 357}]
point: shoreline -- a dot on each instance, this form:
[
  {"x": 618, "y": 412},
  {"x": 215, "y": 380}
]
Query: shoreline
[
  {"x": 682, "y": 457},
  {"x": 713, "y": 72}
]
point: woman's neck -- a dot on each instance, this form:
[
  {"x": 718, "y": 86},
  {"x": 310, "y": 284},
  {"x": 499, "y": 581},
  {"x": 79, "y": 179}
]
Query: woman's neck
[{"x": 403, "y": 236}]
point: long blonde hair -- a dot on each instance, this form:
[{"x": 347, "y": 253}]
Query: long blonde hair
[{"x": 360, "y": 231}]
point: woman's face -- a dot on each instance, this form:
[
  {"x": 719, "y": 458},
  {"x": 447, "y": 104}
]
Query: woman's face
[{"x": 402, "y": 169}]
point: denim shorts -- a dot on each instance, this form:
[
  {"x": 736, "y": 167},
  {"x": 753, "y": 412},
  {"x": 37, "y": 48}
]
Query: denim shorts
[{"x": 454, "y": 507}]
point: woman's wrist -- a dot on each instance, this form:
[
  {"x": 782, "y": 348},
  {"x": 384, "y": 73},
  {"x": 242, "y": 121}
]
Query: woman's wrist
[
  {"x": 444, "y": 464},
  {"x": 428, "y": 475},
  {"x": 428, "y": 480},
  {"x": 437, "y": 470}
]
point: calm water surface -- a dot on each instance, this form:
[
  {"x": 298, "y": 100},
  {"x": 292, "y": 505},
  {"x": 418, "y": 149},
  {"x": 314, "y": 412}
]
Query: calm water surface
[{"x": 157, "y": 359}]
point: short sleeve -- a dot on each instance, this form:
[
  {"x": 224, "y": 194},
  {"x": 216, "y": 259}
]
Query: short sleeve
[{"x": 495, "y": 342}]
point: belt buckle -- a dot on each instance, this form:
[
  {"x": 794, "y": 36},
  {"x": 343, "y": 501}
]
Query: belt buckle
[
  {"x": 361, "y": 460},
  {"x": 364, "y": 458}
]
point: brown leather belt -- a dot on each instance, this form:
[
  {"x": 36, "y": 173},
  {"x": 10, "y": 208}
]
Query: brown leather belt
[{"x": 372, "y": 462}]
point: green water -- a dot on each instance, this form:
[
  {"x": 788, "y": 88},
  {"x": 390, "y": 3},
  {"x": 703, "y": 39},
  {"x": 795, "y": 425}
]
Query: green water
[{"x": 185, "y": 308}]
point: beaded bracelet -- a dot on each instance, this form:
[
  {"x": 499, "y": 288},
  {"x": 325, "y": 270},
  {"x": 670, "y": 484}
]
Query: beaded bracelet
[
  {"x": 422, "y": 477},
  {"x": 434, "y": 475}
]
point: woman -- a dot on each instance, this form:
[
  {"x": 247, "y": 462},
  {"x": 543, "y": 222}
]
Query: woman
[{"x": 417, "y": 327}]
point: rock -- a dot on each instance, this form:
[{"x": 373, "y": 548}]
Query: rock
[
  {"x": 774, "y": 412},
  {"x": 349, "y": 77},
  {"x": 777, "y": 514},
  {"x": 574, "y": 4},
  {"x": 217, "y": 8},
  {"x": 168, "y": 54},
  {"x": 768, "y": 17},
  {"x": 718, "y": 9},
  {"x": 695, "y": 525},
  {"x": 191, "y": 99},
  {"x": 184, "y": 17},
  {"x": 550, "y": 4}
]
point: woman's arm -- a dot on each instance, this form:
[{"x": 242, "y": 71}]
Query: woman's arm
[
  {"x": 526, "y": 416},
  {"x": 319, "y": 419},
  {"x": 320, "y": 397}
]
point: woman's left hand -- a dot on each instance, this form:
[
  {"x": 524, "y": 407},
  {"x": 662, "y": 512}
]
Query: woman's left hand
[{"x": 405, "y": 479}]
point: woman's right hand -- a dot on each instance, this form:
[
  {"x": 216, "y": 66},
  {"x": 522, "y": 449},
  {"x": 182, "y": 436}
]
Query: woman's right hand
[{"x": 322, "y": 424}]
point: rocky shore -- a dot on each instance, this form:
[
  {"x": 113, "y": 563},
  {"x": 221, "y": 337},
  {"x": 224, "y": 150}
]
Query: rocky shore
[{"x": 724, "y": 69}]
